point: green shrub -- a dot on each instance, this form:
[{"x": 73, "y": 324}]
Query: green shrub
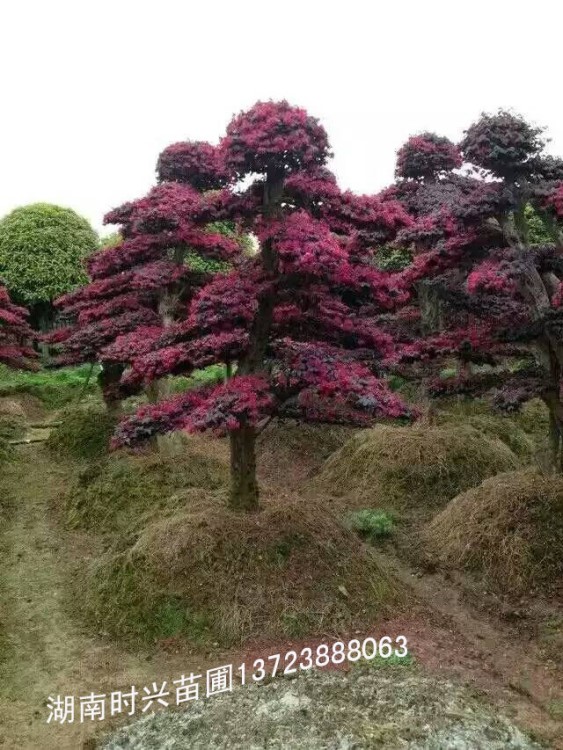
[
  {"x": 84, "y": 433},
  {"x": 42, "y": 247},
  {"x": 373, "y": 524}
]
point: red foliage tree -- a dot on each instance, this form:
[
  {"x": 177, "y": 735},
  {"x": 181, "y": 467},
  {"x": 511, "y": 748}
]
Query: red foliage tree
[
  {"x": 141, "y": 285},
  {"x": 496, "y": 296},
  {"x": 298, "y": 318},
  {"x": 15, "y": 335}
]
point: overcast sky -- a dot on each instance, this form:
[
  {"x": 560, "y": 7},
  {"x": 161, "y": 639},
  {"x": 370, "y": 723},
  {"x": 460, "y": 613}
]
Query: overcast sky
[{"x": 92, "y": 90}]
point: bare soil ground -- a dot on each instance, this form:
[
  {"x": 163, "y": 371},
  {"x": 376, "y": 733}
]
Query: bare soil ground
[{"x": 44, "y": 652}]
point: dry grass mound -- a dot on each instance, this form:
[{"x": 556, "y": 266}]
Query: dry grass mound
[
  {"x": 116, "y": 496},
  {"x": 509, "y": 530},
  {"x": 525, "y": 432},
  {"x": 410, "y": 467},
  {"x": 207, "y": 573},
  {"x": 84, "y": 433},
  {"x": 496, "y": 426}
]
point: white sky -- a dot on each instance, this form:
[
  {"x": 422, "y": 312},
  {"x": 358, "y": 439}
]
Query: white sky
[{"x": 92, "y": 90}]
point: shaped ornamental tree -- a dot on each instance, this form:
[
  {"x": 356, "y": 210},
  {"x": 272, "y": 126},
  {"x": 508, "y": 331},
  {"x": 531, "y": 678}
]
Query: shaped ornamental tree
[
  {"x": 141, "y": 284},
  {"x": 298, "y": 318},
  {"x": 496, "y": 293},
  {"x": 42, "y": 252}
]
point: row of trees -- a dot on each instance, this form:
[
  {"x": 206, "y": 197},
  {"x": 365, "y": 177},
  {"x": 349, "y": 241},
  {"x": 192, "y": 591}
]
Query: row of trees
[
  {"x": 488, "y": 266},
  {"x": 305, "y": 320}
]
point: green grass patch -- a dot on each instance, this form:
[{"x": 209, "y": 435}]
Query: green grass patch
[
  {"x": 55, "y": 388},
  {"x": 208, "y": 376}
]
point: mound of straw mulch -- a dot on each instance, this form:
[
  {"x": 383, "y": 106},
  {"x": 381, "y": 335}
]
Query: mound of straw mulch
[
  {"x": 509, "y": 530},
  {"x": 407, "y": 468},
  {"x": 117, "y": 495},
  {"x": 84, "y": 433},
  {"x": 206, "y": 572},
  {"x": 497, "y": 426}
]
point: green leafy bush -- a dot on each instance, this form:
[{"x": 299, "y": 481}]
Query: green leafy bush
[
  {"x": 42, "y": 248},
  {"x": 373, "y": 524}
]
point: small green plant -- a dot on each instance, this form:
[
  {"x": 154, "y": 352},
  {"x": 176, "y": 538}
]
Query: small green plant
[
  {"x": 390, "y": 662},
  {"x": 372, "y": 524}
]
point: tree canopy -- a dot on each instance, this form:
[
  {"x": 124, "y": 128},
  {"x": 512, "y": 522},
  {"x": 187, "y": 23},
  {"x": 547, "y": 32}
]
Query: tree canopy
[
  {"x": 297, "y": 318},
  {"x": 42, "y": 249},
  {"x": 488, "y": 245}
]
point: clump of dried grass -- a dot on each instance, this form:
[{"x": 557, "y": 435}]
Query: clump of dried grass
[
  {"x": 509, "y": 530},
  {"x": 412, "y": 467},
  {"x": 117, "y": 494},
  {"x": 289, "y": 570},
  {"x": 496, "y": 426}
]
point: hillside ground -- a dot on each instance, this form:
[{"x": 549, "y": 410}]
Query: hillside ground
[{"x": 507, "y": 651}]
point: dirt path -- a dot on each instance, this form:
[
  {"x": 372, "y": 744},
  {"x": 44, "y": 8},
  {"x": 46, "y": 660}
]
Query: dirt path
[
  {"x": 489, "y": 654},
  {"x": 43, "y": 652}
]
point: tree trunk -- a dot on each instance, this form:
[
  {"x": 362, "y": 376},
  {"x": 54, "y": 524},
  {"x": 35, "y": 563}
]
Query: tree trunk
[
  {"x": 153, "y": 392},
  {"x": 430, "y": 307},
  {"x": 244, "y": 487},
  {"x": 108, "y": 380},
  {"x": 244, "y": 493}
]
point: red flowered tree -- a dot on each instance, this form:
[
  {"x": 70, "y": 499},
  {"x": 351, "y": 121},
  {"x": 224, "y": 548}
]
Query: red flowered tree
[
  {"x": 497, "y": 295},
  {"x": 15, "y": 335},
  {"x": 141, "y": 285},
  {"x": 298, "y": 318}
]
